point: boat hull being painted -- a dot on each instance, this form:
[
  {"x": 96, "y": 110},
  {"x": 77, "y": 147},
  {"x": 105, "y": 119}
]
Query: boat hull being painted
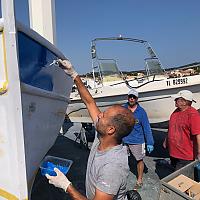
[
  {"x": 43, "y": 115},
  {"x": 45, "y": 91},
  {"x": 154, "y": 97},
  {"x": 33, "y": 99}
]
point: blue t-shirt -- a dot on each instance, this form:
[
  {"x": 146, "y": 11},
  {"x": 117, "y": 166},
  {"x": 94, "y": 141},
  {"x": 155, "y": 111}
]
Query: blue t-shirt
[{"x": 141, "y": 132}]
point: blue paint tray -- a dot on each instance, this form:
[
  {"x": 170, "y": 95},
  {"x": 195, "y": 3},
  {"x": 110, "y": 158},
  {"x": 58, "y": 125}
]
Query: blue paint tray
[{"x": 50, "y": 162}]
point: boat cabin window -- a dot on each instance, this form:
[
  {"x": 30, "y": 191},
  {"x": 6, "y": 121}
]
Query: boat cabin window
[{"x": 34, "y": 61}]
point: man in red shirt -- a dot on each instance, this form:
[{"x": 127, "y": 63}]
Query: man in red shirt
[{"x": 183, "y": 139}]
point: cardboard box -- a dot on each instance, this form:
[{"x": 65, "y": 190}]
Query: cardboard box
[
  {"x": 197, "y": 197},
  {"x": 171, "y": 192},
  {"x": 182, "y": 183},
  {"x": 194, "y": 190}
]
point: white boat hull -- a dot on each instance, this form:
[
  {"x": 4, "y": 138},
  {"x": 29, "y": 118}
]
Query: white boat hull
[
  {"x": 43, "y": 115},
  {"x": 33, "y": 99},
  {"x": 154, "y": 97}
]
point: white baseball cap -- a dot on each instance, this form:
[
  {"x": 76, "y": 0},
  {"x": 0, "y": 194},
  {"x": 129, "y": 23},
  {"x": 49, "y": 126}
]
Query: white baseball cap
[
  {"x": 185, "y": 94},
  {"x": 133, "y": 92}
]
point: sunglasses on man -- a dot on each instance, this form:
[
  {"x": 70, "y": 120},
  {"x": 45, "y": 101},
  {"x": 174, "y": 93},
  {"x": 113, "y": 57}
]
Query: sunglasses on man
[{"x": 132, "y": 96}]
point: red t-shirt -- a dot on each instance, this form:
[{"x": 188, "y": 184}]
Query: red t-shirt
[{"x": 183, "y": 126}]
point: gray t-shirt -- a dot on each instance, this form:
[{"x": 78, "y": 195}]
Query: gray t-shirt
[{"x": 107, "y": 171}]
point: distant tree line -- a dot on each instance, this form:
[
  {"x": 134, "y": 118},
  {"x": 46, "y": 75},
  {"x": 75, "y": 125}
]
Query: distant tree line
[{"x": 195, "y": 65}]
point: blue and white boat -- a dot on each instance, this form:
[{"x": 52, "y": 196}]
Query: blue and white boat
[{"x": 33, "y": 101}]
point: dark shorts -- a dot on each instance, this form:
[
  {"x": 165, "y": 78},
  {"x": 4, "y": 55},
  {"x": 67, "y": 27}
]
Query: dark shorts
[
  {"x": 138, "y": 150},
  {"x": 179, "y": 163}
]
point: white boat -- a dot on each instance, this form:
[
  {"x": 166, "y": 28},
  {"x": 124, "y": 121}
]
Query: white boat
[
  {"x": 33, "y": 101},
  {"x": 155, "y": 87}
]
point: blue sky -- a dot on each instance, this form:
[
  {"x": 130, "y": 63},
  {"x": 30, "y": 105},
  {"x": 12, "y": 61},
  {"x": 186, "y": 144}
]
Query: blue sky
[{"x": 171, "y": 27}]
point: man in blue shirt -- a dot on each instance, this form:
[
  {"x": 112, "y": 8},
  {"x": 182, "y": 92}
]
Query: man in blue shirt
[{"x": 140, "y": 135}]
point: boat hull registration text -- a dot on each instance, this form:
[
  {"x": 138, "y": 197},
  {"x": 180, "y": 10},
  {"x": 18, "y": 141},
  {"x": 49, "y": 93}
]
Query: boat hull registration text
[{"x": 177, "y": 81}]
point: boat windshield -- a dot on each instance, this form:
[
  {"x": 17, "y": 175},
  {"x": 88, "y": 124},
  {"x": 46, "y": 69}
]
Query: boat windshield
[
  {"x": 153, "y": 66},
  {"x": 106, "y": 70},
  {"x": 109, "y": 70}
]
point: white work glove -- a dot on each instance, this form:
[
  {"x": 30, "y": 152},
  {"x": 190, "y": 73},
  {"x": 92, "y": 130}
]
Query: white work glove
[
  {"x": 60, "y": 180},
  {"x": 68, "y": 68}
]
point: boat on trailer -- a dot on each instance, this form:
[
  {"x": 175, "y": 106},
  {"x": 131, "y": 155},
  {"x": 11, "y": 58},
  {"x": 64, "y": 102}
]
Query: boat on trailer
[
  {"x": 33, "y": 99},
  {"x": 109, "y": 86}
]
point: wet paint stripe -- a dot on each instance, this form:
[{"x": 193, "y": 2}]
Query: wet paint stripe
[{"x": 4, "y": 87}]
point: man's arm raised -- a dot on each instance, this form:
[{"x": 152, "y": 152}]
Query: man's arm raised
[{"x": 83, "y": 91}]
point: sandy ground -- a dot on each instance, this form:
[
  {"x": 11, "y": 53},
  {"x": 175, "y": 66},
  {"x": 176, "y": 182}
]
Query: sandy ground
[{"x": 67, "y": 148}]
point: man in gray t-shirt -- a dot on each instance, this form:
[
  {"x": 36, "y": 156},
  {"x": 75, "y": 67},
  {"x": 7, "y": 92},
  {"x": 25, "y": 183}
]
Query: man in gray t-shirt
[
  {"x": 107, "y": 171},
  {"x": 107, "y": 168}
]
